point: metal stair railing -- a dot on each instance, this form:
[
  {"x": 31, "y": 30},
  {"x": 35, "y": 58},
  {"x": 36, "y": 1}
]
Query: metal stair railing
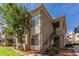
[{"x": 47, "y": 43}]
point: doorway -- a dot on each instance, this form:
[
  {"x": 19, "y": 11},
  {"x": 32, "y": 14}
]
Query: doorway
[{"x": 57, "y": 42}]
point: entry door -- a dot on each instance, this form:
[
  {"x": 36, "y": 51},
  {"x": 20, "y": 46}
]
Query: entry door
[{"x": 57, "y": 42}]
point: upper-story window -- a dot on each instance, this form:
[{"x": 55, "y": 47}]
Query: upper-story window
[
  {"x": 35, "y": 40},
  {"x": 37, "y": 14},
  {"x": 35, "y": 19}
]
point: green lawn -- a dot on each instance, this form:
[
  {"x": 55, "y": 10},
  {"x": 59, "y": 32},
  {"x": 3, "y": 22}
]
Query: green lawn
[{"x": 7, "y": 51}]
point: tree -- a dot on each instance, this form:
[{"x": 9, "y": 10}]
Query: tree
[
  {"x": 18, "y": 20},
  {"x": 75, "y": 29}
]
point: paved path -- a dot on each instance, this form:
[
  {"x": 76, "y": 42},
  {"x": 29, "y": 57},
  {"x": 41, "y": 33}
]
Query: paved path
[
  {"x": 66, "y": 52},
  {"x": 76, "y": 49}
]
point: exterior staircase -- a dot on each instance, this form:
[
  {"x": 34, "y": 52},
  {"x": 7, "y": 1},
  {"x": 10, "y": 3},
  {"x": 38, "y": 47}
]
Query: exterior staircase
[{"x": 47, "y": 43}]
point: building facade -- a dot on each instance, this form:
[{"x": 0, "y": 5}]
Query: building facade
[
  {"x": 72, "y": 37},
  {"x": 7, "y": 39},
  {"x": 46, "y": 31},
  {"x": 77, "y": 37}
]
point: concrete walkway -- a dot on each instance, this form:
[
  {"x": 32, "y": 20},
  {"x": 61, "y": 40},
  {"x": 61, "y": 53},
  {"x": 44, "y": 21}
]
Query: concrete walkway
[
  {"x": 76, "y": 49},
  {"x": 67, "y": 52}
]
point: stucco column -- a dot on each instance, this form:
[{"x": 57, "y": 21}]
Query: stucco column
[
  {"x": 61, "y": 41},
  {"x": 60, "y": 24}
]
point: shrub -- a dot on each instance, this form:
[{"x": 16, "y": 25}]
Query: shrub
[
  {"x": 53, "y": 51},
  {"x": 75, "y": 43},
  {"x": 78, "y": 44},
  {"x": 69, "y": 45}
]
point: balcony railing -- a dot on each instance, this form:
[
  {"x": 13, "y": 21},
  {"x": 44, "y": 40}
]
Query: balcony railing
[{"x": 58, "y": 31}]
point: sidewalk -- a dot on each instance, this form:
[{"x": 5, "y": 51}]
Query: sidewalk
[
  {"x": 63, "y": 52},
  {"x": 67, "y": 52},
  {"x": 76, "y": 49}
]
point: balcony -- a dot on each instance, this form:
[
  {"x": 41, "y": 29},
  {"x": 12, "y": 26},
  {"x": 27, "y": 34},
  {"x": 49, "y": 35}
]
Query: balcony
[{"x": 58, "y": 31}]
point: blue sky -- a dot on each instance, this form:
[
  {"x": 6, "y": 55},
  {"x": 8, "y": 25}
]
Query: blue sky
[{"x": 71, "y": 12}]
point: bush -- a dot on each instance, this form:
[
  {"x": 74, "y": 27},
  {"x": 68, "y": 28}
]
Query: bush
[
  {"x": 78, "y": 44},
  {"x": 75, "y": 43},
  {"x": 69, "y": 45},
  {"x": 53, "y": 51}
]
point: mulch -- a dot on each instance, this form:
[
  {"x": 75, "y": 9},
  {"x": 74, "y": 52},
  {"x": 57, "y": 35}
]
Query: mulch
[
  {"x": 62, "y": 52},
  {"x": 28, "y": 53}
]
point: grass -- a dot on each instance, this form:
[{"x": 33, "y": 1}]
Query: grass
[{"x": 7, "y": 51}]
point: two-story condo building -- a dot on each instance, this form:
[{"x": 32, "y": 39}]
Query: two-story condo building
[{"x": 46, "y": 31}]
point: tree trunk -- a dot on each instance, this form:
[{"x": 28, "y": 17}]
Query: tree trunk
[
  {"x": 20, "y": 42},
  {"x": 21, "y": 46},
  {"x": 29, "y": 40}
]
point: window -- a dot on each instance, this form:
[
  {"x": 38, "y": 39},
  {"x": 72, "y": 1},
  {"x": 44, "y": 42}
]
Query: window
[
  {"x": 35, "y": 40},
  {"x": 35, "y": 22},
  {"x": 35, "y": 19},
  {"x": 37, "y": 14}
]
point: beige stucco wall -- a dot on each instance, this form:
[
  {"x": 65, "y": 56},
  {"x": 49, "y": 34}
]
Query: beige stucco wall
[
  {"x": 77, "y": 37},
  {"x": 62, "y": 31},
  {"x": 63, "y": 24},
  {"x": 46, "y": 27},
  {"x": 61, "y": 41}
]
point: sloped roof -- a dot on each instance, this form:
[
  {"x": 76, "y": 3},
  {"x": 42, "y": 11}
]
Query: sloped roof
[
  {"x": 47, "y": 13},
  {"x": 61, "y": 18},
  {"x": 44, "y": 9}
]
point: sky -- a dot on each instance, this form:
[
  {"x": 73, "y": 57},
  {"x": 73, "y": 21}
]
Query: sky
[{"x": 71, "y": 12}]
